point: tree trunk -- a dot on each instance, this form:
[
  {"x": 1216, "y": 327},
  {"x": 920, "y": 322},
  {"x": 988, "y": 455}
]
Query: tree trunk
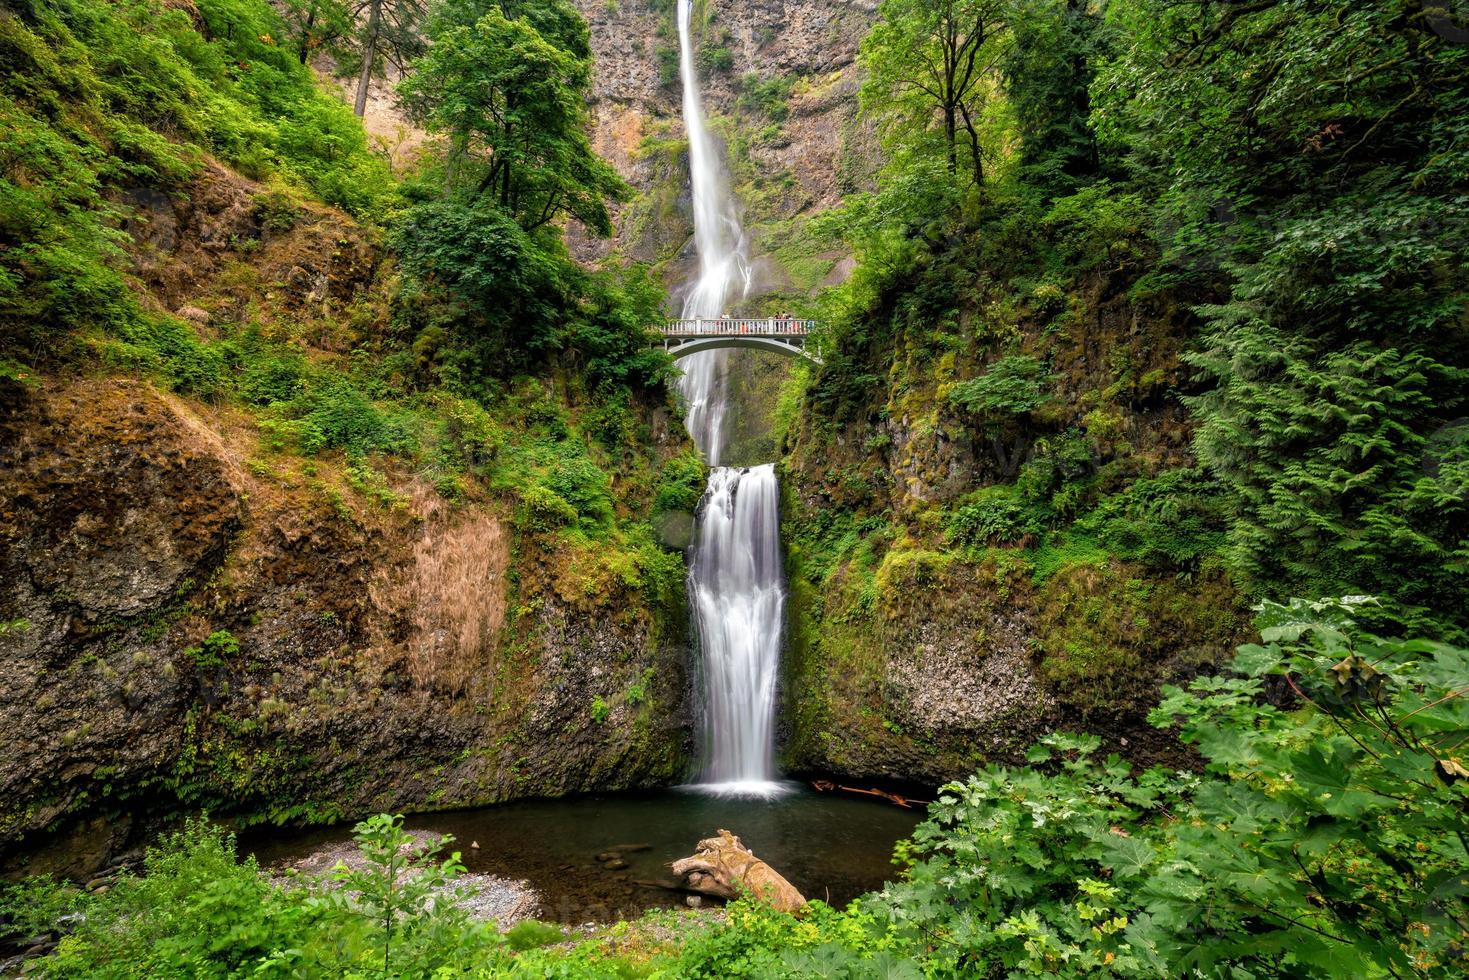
[
  {"x": 951, "y": 133},
  {"x": 369, "y": 55},
  {"x": 303, "y": 52}
]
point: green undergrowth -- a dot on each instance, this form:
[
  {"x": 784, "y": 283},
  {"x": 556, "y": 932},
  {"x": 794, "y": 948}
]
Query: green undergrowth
[
  {"x": 1122, "y": 580},
  {"x": 1116, "y": 316},
  {"x": 98, "y": 99}
]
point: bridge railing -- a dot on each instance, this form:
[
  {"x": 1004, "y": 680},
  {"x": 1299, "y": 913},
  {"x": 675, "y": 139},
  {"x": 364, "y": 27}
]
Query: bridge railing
[{"x": 733, "y": 326}]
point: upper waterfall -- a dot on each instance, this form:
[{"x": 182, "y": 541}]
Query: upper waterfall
[{"x": 724, "y": 266}]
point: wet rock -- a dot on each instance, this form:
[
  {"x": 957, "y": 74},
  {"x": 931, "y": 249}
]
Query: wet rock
[
  {"x": 194, "y": 315},
  {"x": 130, "y": 532},
  {"x": 112, "y": 502}
]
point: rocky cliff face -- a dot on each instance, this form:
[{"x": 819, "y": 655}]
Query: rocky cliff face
[
  {"x": 916, "y": 655},
  {"x": 189, "y": 620},
  {"x": 779, "y": 80}
]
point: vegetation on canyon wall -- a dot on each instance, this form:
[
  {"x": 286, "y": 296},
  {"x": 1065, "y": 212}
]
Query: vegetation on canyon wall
[{"x": 1159, "y": 311}]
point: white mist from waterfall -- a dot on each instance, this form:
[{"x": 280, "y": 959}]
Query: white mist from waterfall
[{"x": 736, "y": 583}]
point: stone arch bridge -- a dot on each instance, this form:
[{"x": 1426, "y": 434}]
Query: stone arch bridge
[{"x": 783, "y": 335}]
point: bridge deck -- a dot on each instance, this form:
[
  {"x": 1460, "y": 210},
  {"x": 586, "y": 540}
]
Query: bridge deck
[{"x": 738, "y": 327}]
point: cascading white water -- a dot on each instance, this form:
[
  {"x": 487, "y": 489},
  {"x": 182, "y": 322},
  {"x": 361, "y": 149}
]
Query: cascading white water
[
  {"x": 724, "y": 267},
  {"x": 738, "y": 596},
  {"x": 736, "y": 585}
]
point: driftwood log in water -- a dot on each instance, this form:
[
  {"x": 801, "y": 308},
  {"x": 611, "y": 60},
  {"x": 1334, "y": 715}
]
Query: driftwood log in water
[
  {"x": 725, "y": 868},
  {"x": 827, "y": 786}
]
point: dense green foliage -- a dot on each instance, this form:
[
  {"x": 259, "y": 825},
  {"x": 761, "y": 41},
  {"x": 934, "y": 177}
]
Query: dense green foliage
[
  {"x": 1338, "y": 352},
  {"x": 505, "y": 84},
  {"x": 511, "y": 102},
  {"x": 103, "y": 99},
  {"x": 1277, "y": 188},
  {"x": 97, "y": 99},
  {"x": 198, "y": 912}
]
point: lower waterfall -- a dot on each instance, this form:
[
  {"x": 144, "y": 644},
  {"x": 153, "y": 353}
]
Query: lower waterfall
[{"x": 737, "y": 591}]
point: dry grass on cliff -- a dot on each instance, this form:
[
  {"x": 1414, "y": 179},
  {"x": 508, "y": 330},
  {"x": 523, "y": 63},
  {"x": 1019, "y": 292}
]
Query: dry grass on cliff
[{"x": 452, "y": 595}]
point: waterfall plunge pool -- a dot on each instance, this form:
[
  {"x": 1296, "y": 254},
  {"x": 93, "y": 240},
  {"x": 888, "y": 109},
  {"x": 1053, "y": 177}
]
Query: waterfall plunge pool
[{"x": 830, "y": 846}]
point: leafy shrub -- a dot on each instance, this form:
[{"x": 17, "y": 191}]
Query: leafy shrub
[
  {"x": 1320, "y": 842},
  {"x": 402, "y": 893},
  {"x": 268, "y": 379},
  {"x": 1060, "y": 474},
  {"x": 994, "y": 515},
  {"x": 680, "y": 484},
  {"x": 170, "y": 347},
  {"x": 543, "y": 509},
  {"x": 666, "y": 55},
  {"x": 1012, "y": 872},
  {"x": 332, "y": 412},
  {"x": 195, "y": 911},
  {"x": 637, "y": 691},
  {"x": 217, "y": 650},
  {"x": 660, "y": 571},
  {"x": 531, "y": 934},
  {"x": 504, "y": 286},
  {"x": 585, "y": 486},
  {"x": 1013, "y": 385},
  {"x": 903, "y": 571},
  {"x": 768, "y": 97},
  {"x": 1175, "y": 520},
  {"x": 1099, "y": 224},
  {"x": 714, "y": 58}
]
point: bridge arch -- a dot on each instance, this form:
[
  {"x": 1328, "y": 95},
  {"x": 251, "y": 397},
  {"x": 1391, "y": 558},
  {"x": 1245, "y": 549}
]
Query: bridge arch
[{"x": 783, "y": 347}]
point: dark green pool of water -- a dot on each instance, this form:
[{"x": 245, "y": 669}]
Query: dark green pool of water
[{"x": 832, "y": 847}]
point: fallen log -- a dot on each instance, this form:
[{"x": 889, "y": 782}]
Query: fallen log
[
  {"x": 827, "y": 786},
  {"x": 725, "y": 868}
]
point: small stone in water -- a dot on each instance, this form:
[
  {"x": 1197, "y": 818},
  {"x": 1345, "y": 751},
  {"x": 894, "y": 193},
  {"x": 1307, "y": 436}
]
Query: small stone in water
[{"x": 616, "y": 864}]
